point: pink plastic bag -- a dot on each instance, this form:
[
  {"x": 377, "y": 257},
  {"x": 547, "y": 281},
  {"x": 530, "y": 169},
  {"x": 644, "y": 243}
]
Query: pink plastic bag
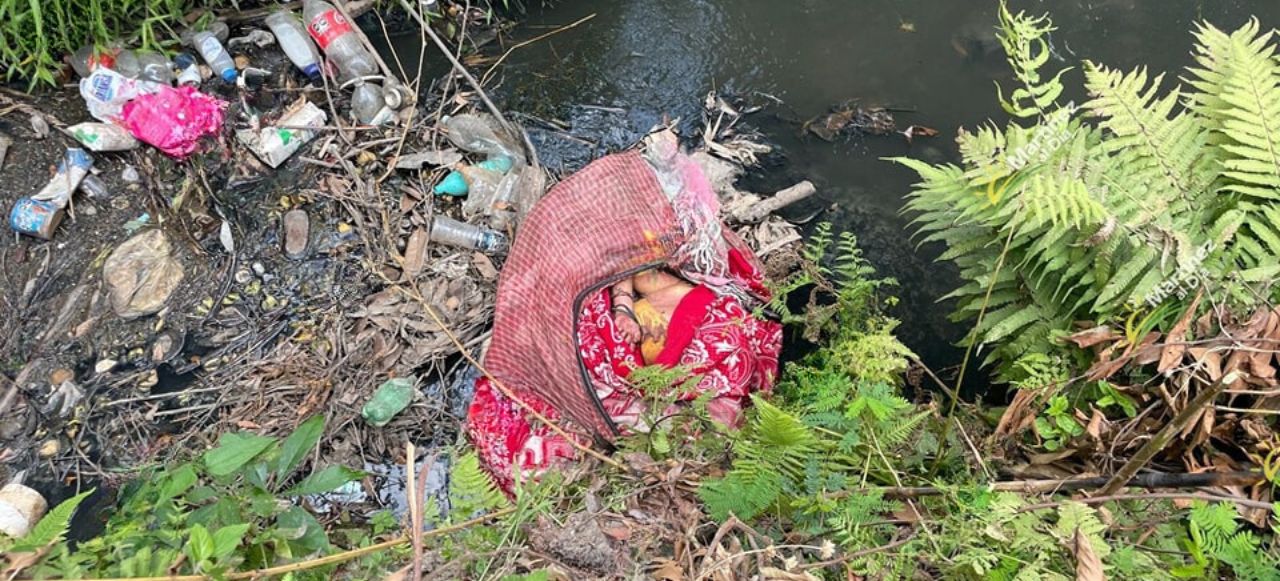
[{"x": 173, "y": 120}]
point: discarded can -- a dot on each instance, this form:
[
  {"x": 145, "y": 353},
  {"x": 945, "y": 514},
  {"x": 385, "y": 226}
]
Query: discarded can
[
  {"x": 388, "y": 400},
  {"x": 35, "y": 218},
  {"x": 103, "y": 136},
  {"x": 275, "y": 144},
  {"x": 455, "y": 233},
  {"x": 74, "y": 166}
]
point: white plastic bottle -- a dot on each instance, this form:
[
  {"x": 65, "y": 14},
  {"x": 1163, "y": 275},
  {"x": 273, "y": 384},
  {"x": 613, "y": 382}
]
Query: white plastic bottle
[
  {"x": 212, "y": 52},
  {"x": 297, "y": 46},
  {"x": 334, "y": 35}
]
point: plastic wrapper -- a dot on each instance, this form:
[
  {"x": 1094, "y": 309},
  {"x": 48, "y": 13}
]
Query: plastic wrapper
[
  {"x": 174, "y": 120},
  {"x": 275, "y": 144},
  {"x": 103, "y": 136}
]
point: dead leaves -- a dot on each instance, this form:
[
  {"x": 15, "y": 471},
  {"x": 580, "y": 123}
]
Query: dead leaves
[
  {"x": 402, "y": 335},
  {"x": 1088, "y": 565}
]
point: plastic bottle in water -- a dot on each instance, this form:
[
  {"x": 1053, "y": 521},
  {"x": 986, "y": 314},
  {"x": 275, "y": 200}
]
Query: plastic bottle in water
[
  {"x": 297, "y": 46},
  {"x": 463, "y": 235},
  {"x": 335, "y": 36},
  {"x": 155, "y": 68},
  {"x": 481, "y": 134},
  {"x": 212, "y": 52}
]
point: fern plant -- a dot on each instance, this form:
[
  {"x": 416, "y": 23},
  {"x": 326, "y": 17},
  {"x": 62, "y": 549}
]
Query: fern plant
[{"x": 1166, "y": 191}]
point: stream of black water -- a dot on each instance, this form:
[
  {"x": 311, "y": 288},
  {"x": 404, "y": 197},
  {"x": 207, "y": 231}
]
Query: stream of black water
[{"x": 611, "y": 78}]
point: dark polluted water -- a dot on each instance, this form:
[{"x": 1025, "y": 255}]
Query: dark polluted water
[{"x": 935, "y": 62}]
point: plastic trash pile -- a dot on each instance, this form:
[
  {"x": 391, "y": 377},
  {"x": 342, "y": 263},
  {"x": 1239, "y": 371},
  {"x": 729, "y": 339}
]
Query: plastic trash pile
[{"x": 145, "y": 97}]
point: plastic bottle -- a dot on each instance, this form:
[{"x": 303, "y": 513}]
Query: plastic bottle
[
  {"x": 388, "y": 400},
  {"x": 334, "y": 35},
  {"x": 297, "y": 46},
  {"x": 89, "y": 58},
  {"x": 155, "y": 68},
  {"x": 463, "y": 235},
  {"x": 366, "y": 101},
  {"x": 478, "y": 134},
  {"x": 213, "y": 53},
  {"x": 127, "y": 64}
]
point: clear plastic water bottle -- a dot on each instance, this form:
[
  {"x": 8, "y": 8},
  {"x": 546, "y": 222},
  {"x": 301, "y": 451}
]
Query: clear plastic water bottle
[
  {"x": 463, "y": 235},
  {"x": 155, "y": 68},
  {"x": 127, "y": 64},
  {"x": 366, "y": 101},
  {"x": 90, "y": 57},
  {"x": 212, "y": 52},
  {"x": 334, "y": 35},
  {"x": 297, "y": 46}
]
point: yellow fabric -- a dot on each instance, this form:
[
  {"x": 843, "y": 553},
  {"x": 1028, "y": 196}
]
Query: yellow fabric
[{"x": 653, "y": 331}]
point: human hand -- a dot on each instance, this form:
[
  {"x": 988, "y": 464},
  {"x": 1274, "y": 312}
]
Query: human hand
[{"x": 628, "y": 326}]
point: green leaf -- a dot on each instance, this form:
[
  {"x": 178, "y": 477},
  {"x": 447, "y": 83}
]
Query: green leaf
[
  {"x": 326, "y": 480},
  {"x": 52, "y": 527},
  {"x": 199, "y": 545},
  {"x": 178, "y": 482},
  {"x": 234, "y": 451},
  {"x": 227, "y": 539},
  {"x": 303, "y": 532},
  {"x": 296, "y": 446}
]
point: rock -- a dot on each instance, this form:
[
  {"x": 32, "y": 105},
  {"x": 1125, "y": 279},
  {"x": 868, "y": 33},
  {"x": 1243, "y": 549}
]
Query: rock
[
  {"x": 104, "y": 365},
  {"x": 141, "y": 275},
  {"x": 297, "y": 228},
  {"x": 50, "y": 448},
  {"x": 20, "y": 509}
]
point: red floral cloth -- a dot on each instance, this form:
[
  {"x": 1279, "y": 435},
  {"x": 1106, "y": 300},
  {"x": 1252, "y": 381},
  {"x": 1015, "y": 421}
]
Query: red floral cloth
[{"x": 734, "y": 352}]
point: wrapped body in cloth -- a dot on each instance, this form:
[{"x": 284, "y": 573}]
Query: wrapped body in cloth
[{"x": 660, "y": 283}]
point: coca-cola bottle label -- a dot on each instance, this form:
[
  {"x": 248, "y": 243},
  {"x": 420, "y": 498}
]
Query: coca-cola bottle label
[{"x": 327, "y": 26}]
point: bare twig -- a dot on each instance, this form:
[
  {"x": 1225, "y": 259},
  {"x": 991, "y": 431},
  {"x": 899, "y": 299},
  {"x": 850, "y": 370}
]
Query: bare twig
[
  {"x": 1167, "y": 433},
  {"x": 1247, "y": 502},
  {"x": 457, "y": 66}
]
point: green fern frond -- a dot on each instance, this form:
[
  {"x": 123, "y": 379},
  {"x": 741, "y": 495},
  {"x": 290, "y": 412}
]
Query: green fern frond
[
  {"x": 52, "y": 527},
  {"x": 471, "y": 490}
]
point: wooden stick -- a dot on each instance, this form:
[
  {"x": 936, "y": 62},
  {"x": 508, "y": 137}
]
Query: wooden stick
[
  {"x": 457, "y": 66},
  {"x": 1166, "y": 434},
  {"x": 1246, "y": 502},
  {"x": 1154, "y": 480},
  {"x": 759, "y": 210}
]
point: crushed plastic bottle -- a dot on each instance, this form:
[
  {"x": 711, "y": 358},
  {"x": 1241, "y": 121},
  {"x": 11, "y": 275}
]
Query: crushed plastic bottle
[
  {"x": 335, "y": 36},
  {"x": 127, "y": 64},
  {"x": 215, "y": 55},
  {"x": 155, "y": 68},
  {"x": 480, "y": 134},
  {"x": 454, "y": 233},
  {"x": 391, "y": 398},
  {"x": 297, "y": 45}
]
